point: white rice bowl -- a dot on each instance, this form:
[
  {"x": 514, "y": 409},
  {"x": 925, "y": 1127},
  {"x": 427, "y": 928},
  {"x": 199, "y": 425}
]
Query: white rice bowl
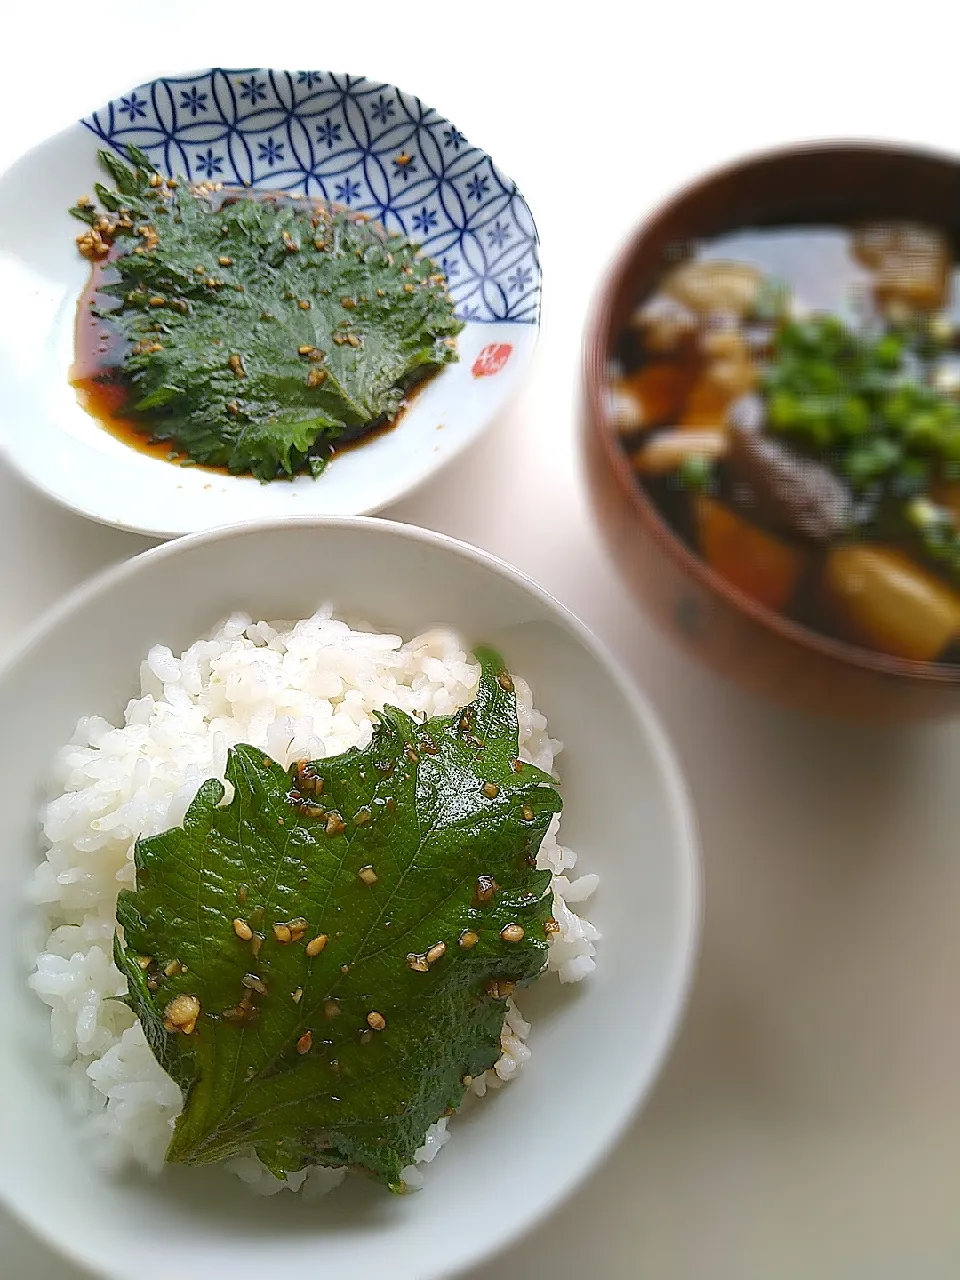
[{"x": 301, "y": 690}]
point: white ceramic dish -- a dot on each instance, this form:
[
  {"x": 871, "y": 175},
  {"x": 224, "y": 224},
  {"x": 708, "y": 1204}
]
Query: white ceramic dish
[
  {"x": 597, "y": 1046},
  {"x": 343, "y": 138}
]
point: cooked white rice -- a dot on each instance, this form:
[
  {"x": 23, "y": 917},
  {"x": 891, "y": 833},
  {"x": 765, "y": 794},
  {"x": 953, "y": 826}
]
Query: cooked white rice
[{"x": 301, "y": 690}]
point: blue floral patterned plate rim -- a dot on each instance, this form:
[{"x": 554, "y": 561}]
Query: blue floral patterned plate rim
[{"x": 359, "y": 142}]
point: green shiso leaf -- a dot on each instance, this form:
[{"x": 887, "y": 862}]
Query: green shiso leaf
[
  {"x": 260, "y": 332},
  {"x": 427, "y": 835}
]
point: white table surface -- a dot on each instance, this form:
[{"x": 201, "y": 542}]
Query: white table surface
[{"x": 807, "y": 1124}]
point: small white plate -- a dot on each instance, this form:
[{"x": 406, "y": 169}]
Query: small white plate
[
  {"x": 339, "y": 137},
  {"x": 597, "y": 1046}
]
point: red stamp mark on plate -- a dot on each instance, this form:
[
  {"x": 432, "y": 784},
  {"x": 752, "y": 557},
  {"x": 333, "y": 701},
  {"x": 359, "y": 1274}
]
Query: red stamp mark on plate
[{"x": 491, "y": 359}]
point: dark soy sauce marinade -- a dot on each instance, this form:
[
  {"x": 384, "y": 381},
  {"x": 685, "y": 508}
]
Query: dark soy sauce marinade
[
  {"x": 789, "y": 397},
  {"x": 96, "y": 375}
]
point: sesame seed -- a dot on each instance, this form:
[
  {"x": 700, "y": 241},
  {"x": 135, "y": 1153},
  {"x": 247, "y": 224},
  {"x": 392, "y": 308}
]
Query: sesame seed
[
  {"x": 297, "y": 928},
  {"x": 467, "y": 1081},
  {"x": 335, "y": 823},
  {"x": 331, "y": 1008},
  {"x": 469, "y": 939},
  {"x": 512, "y": 932},
  {"x": 381, "y": 293},
  {"x": 418, "y": 963},
  {"x": 408, "y": 287},
  {"x": 83, "y": 202},
  {"x": 353, "y": 339},
  {"x": 486, "y": 888},
  {"x": 550, "y": 926},
  {"x": 304, "y": 304},
  {"x": 436, "y": 951},
  {"x": 155, "y": 180},
  {"x": 316, "y": 945},
  {"x": 304, "y": 350},
  {"x": 376, "y": 1021},
  {"x": 500, "y": 988},
  {"x": 362, "y": 815},
  {"x": 305, "y": 1042},
  {"x": 349, "y": 303},
  {"x": 504, "y": 681},
  {"x": 282, "y": 933},
  {"x": 144, "y": 962},
  {"x": 491, "y": 790},
  {"x": 242, "y": 930},
  {"x": 172, "y": 969},
  {"x": 181, "y": 1014},
  {"x": 527, "y": 813},
  {"x": 297, "y": 996},
  {"x": 158, "y": 302},
  {"x": 315, "y": 377},
  {"x": 368, "y": 875},
  {"x": 225, "y": 262}
]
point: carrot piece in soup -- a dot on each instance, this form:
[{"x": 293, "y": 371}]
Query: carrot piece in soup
[
  {"x": 657, "y": 391},
  {"x": 721, "y": 383},
  {"x": 762, "y": 566}
]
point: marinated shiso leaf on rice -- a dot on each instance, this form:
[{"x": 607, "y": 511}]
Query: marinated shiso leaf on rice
[{"x": 322, "y": 961}]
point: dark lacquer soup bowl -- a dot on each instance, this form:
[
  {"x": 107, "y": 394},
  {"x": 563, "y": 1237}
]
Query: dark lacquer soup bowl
[{"x": 772, "y": 425}]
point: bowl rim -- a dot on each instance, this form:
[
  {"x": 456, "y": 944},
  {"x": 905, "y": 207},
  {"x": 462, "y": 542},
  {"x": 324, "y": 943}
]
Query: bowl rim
[
  {"x": 525, "y": 350},
  {"x": 687, "y": 855},
  {"x": 598, "y": 422}
]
